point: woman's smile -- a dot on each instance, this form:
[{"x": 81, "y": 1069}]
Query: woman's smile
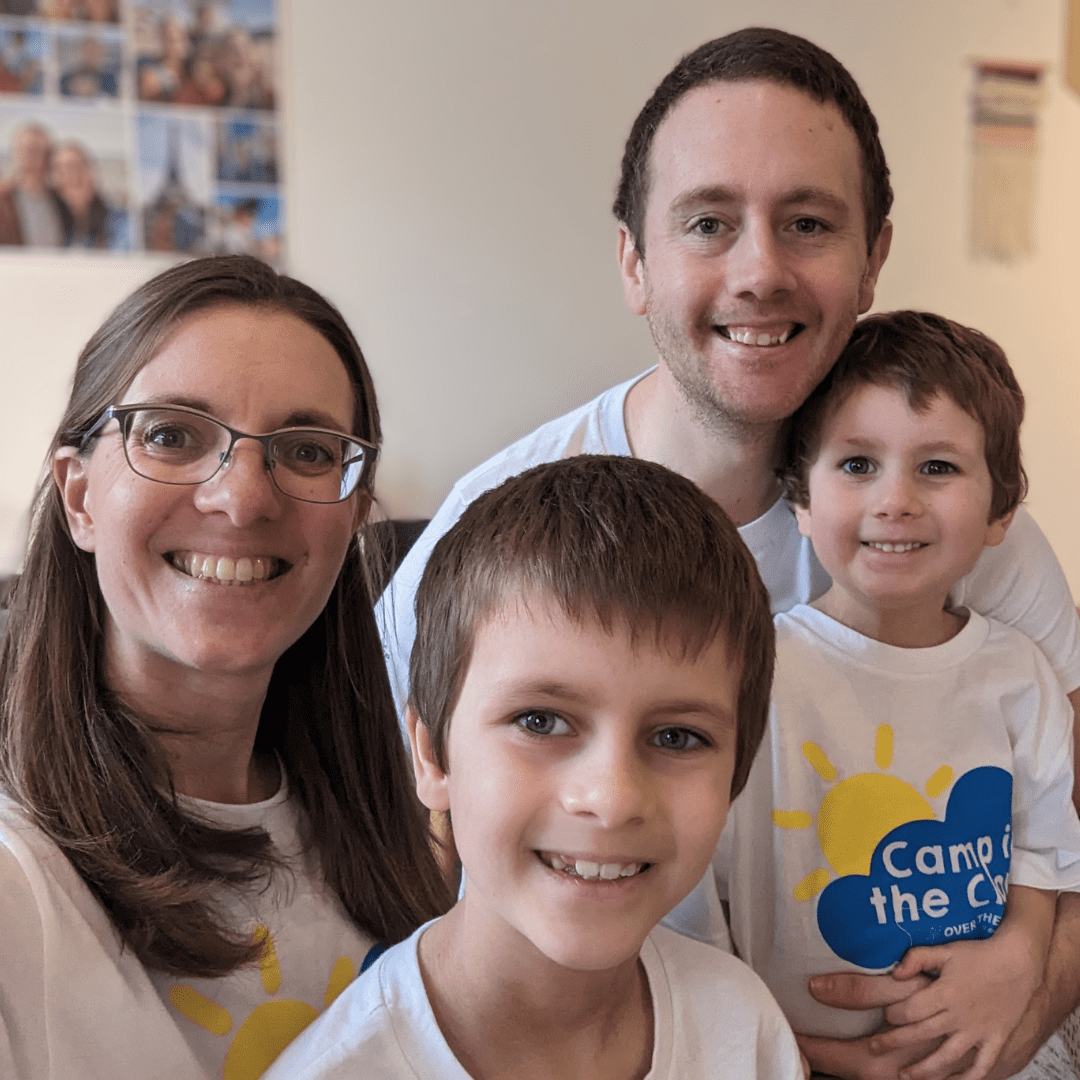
[
  {"x": 226, "y": 570},
  {"x": 162, "y": 548}
]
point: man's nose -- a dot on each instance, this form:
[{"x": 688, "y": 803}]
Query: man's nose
[{"x": 758, "y": 263}]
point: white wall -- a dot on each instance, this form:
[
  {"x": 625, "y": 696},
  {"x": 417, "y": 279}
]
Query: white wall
[{"x": 450, "y": 171}]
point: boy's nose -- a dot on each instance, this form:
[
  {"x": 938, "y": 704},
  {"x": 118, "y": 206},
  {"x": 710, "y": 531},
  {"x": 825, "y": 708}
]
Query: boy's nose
[
  {"x": 609, "y": 784},
  {"x": 897, "y": 496}
]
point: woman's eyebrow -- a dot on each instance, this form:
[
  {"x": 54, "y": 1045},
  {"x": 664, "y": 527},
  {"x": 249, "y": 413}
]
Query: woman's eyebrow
[
  {"x": 297, "y": 418},
  {"x": 314, "y": 418}
]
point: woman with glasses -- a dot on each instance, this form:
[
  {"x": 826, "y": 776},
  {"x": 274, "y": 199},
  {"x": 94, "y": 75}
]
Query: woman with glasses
[{"x": 206, "y": 815}]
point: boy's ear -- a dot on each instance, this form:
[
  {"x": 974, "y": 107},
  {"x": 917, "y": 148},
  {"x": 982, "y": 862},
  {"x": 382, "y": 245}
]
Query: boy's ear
[
  {"x": 996, "y": 529},
  {"x": 432, "y": 787},
  {"x": 802, "y": 516}
]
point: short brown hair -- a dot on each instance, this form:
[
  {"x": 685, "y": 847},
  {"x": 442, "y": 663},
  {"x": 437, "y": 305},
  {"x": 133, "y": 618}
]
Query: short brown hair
[
  {"x": 761, "y": 54},
  {"x": 921, "y": 355},
  {"x": 612, "y": 537}
]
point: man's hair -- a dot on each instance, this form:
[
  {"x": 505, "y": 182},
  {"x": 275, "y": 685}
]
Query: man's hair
[
  {"x": 617, "y": 539},
  {"x": 755, "y": 53},
  {"x": 921, "y": 355}
]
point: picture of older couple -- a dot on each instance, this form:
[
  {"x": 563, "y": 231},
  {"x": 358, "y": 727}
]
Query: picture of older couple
[{"x": 50, "y": 195}]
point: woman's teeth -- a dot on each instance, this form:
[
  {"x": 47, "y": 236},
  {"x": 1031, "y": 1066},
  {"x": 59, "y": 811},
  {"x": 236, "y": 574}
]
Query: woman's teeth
[
  {"x": 226, "y": 571},
  {"x": 593, "y": 870}
]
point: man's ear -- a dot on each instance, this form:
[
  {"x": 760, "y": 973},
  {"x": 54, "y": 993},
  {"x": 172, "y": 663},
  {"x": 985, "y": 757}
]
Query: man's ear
[
  {"x": 70, "y": 476},
  {"x": 632, "y": 269},
  {"x": 878, "y": 254},
  {"x": 996, "y": 529},
  {"x": 802, "y": 516},
  {"x": 432, "y": 786}
]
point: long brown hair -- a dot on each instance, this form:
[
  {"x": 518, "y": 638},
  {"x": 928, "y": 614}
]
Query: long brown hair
[{"x": 90, "y": 773}]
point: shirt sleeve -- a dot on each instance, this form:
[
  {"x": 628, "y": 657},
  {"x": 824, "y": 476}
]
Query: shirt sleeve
[
  {"x": 24, "y": 1052},
  {"x": 700, "y": 915},
  {"x": 1046, "y": 831},
  {"x": 777, "y": 1051},
  {"x": 395, "y": 612},
  {"x": 1021, "y": 583}
]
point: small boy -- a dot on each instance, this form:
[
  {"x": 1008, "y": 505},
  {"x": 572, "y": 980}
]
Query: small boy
[
  {"x": 589, "y": 685},
  {"x": 917, "y": 765}
]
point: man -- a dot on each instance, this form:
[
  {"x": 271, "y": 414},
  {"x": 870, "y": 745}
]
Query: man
[
  {"x": 753, "y": 224},
  {"x": 29, "y": 208}
]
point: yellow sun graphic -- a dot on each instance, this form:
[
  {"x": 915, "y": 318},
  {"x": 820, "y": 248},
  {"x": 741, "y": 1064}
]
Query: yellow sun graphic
[
  {"x": 858, "y": 812},
  {"x": 271, "y": 1025}
]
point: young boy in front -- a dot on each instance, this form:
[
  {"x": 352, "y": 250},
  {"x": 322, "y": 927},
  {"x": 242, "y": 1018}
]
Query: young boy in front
[
  {"x": 589, "y": 685},
  {"x": 918, "y": 760}
]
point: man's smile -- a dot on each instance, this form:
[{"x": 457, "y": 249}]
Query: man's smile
[{"x": 766, "y": 336}]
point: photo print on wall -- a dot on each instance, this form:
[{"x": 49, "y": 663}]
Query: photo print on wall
[{"x": 140, "y": 125}]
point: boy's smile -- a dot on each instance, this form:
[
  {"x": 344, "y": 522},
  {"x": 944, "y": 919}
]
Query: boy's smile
[
  {"x": 588, "y": 781},
  {"x": 899, "y": 512}
]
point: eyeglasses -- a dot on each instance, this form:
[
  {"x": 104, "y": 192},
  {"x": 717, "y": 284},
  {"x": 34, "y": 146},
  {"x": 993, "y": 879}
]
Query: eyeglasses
[{"x": 176, "y": 445}]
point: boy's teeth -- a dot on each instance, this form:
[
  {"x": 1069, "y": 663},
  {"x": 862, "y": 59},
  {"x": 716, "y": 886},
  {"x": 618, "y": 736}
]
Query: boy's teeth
[
  {"x": 893, "y": 547},
  {"x": 591, "y": 870}
]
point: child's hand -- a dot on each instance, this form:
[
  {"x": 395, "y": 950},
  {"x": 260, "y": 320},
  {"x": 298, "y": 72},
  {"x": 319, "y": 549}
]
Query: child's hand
[{"x": 980, "y": 995}]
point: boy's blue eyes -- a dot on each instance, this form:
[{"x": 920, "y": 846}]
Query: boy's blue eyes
[
  {"x": 542, "y": 722},
  {"x": 857, "y": 466},
  {"x": 862, "y": 466},
  {"x": 938, "y": 468},
  {"x": 675, "y": 738}
]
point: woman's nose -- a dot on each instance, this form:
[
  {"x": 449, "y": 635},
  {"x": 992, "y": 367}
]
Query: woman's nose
[{"x": 242, "y": 487}]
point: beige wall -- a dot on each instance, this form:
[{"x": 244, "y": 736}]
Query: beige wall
[{"x": 450, "y": 168}]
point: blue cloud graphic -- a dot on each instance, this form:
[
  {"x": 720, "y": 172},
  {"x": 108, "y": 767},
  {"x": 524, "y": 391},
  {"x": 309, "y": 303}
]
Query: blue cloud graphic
[{"x": 929, "y": 881}]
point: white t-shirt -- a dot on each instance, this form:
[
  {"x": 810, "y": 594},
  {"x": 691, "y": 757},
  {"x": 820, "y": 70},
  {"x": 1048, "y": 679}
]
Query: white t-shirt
[
  {"x": 1019, "y": 583},
  {"x": 712, "y": 1018},
  {"x": 895, "y": 793},
  {"x": 75, "y": 1005}
]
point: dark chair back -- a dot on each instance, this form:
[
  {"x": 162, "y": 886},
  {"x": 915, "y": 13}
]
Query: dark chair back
[{"x": 395, "y": 537}]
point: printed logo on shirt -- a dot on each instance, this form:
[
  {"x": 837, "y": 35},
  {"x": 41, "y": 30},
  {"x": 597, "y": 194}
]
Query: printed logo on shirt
[
  {"x": 905, "y": 878},
  {"x": 271, "y": 1026}
]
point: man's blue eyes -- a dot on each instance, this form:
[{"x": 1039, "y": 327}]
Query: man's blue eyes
[{"x": 710, "y": 226}]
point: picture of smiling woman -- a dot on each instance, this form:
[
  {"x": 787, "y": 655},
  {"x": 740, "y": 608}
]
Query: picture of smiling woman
[{"x": 206, "y": 815}]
